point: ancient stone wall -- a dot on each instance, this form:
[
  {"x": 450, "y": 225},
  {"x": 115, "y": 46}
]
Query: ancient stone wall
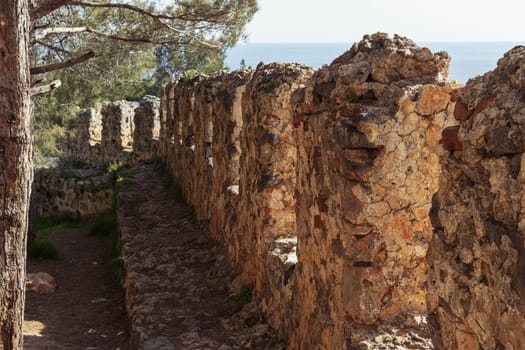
[
  {"x": 115, "y": 131},
  {"x": 267, "y": 186},
  {"x": 226, "y": 152},
  {"x": 146, "y": 121},
  {"x": 342, "y": 164},
  {"x": 368, "y": 129},
  {"x": 84, "y": 136},
  {"x": 322, "y": 187},
  {"x": 77, "y": 193},
  {"x": 477, "y": 254}
]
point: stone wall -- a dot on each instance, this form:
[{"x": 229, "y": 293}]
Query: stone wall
[
  {"x": 114, "y": 131},
  {"x": 340, "y": 164},
  {"x": 477, "y": 255},
  {"x": 267, "y": 173},
  {"x": 146, "y": 121},
  {"x": 322, "y": 186},
  {"x": 368, "y": 129},
  {"x": 117, "y": 131},
  {"x": 84, "y": 136},
  {"x": 76, "y": 193}
]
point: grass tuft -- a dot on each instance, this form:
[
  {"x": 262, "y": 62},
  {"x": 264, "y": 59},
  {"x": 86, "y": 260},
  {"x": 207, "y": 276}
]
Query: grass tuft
[
  {"x": 43, "y": 248},
  {"x": 104, "y": 225}
]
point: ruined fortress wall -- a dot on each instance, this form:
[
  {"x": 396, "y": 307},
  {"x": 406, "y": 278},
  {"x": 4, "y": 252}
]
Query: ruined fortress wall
[
  {"x": 368, "y": 131},
  {"x": 477, "y": 255},
  {"x": 146, "y": 121},
  {"x": 117, "y": 130},
  {"x": 226, "y": 152},
  {"x": 76, "y": 193},
  {"x": 360, "y": 137},
  {"x": 204, "y": 118},
  {"x": 106, "y": 133},
  {"x": 267, "y": 186},
  {"x": 322, "y": 186},
  {"x": 84, "y": 136}
]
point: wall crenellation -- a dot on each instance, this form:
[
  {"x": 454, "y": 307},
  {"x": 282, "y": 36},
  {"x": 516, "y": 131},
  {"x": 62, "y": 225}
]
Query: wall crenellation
[{"x": 107, "y": 134}]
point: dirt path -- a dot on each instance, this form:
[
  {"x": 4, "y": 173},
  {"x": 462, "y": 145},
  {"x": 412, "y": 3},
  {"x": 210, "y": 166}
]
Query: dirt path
[{"x": 86, "y": 311}]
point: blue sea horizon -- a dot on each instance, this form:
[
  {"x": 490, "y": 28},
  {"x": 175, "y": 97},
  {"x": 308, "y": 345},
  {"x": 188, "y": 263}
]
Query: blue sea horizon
[{"x": 469, "y": 59}]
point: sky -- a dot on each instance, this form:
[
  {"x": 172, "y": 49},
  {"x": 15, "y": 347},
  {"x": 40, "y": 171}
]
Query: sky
[{"x": 317, "y": 21}]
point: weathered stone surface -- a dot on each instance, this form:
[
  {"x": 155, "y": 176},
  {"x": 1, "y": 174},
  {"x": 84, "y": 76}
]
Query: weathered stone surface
[
  {"x": 320, "y": 186},
  {"x": 147, "y": 128},
  {"x": 84, "y": 136},
  {"x": 226, "y": 151},
  {"x": 117, "y": 130},
  {"x": 267, "y": 181},
  {"x": 40, "y": 282},
  {"x": 367, "y": 169},
  {"x": 77, "y": 193},
  {"x": 477, "y": 254}
]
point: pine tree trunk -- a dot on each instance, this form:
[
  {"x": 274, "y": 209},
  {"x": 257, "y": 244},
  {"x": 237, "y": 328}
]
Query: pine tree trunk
[{"x": 15, "y": 167}]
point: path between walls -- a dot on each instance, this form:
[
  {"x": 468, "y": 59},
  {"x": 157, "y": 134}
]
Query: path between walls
[{"x": 178, "y": 283}]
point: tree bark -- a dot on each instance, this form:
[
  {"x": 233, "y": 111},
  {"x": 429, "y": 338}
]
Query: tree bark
[{"x": 15, "y": 167}]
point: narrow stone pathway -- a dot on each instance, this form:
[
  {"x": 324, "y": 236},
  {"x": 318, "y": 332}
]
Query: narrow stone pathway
[{"x": 179, "y": 289}]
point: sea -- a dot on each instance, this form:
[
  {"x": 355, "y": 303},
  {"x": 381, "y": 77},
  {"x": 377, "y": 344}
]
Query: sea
[{"x": 469, "y": 59}]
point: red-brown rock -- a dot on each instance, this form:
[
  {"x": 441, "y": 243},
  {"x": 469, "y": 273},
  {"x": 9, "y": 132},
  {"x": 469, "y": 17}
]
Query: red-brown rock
[{"x": 450, "y": 139}]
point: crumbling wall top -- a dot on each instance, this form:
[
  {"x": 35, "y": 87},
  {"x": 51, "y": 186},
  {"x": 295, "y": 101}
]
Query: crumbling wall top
[{"x": 374, "y": 72}]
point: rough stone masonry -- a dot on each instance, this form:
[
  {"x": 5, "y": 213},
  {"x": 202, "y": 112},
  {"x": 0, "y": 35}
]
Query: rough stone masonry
[
  {"x": 477, "y": 255},
  {"x": 320, "y": 185},
  {"x": 341, "y": 166},
  {"x": 368, "y": 128}
]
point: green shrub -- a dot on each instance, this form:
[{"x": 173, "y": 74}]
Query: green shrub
[
  {"x": 353, "y": 97},
  {"x": 112, "y": 172},
  {"x": 43, "y": 248}
]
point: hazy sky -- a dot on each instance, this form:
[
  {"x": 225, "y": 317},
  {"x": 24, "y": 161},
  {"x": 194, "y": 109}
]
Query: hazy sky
[{"x": 421, "y": 20}]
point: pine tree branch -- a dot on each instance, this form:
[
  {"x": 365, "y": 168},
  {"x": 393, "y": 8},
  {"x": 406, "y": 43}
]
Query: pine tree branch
[
  {"x": 47, "y": 6},
  {"x": 64, "y": 64},
  {"x": 58, "y": 30},
  {"x": 44, "y": 89}
]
